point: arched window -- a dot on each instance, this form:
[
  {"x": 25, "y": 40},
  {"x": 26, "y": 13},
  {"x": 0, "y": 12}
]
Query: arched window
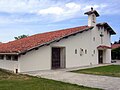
[{"x": 75, "y": 51}]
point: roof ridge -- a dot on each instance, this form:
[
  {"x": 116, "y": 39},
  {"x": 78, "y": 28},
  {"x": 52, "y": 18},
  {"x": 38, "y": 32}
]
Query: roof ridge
[
  {"x": 58, "y": 30},
  {"x": 36, "y": 40},
  {"x": 48, "y": 32},
  {"x": 60, "y": 38}
]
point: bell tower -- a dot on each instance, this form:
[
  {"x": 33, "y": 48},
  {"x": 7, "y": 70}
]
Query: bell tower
[{"x": 92, "y": 14}]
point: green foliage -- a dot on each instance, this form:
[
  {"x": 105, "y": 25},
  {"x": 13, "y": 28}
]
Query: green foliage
[
  {"x": 116, "y": 49},
  {"x": 21, "y": 36},
  {"x": 111, "y": 70},
  {"x": 116, "y": 53},
  {"x": 117, "y": 42}
]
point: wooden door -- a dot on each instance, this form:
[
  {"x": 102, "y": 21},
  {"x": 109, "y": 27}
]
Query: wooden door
[{"x": 55, "y": 58}]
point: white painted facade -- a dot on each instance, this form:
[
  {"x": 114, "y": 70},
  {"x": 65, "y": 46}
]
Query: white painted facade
[
  {"x": 36, "y": 60},
  {"x": 92, "y": 20},
  {"x": 9, "y": 64},
  {"x": 41, "y": 59}
]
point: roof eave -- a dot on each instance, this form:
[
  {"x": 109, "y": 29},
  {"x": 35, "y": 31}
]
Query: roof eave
[
  {"x": 110, "y": 29},
  {"x": 104, "y": 47},
  {"x": 112, "y": 32},
  {"x": 58, "y": 39},
  {"x": 91, "y": 12},
  {"x": 9, "y": 53}
]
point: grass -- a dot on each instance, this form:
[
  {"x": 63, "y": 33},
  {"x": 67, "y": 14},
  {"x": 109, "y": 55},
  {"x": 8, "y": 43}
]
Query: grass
[
  {"x": 10, "y": 81},
  {"x": 111, "y": 70}
]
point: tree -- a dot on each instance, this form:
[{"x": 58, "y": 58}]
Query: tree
[
  {"x": 21, "y": 36},
  {"x": 116, "y": 53},
  {"x": 117, "y": 42}
]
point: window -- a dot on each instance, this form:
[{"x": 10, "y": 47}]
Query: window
[
  {"x": 15, "y": 58},
  {"x": 94, "y": 51},
  {"x": 93, "y": 38},
  {"x": 1, "y": 57},
  {"x": 85, "y": 51},
  {"x": 75, "y": 51},
  {"x": 93, "y": 16},
  {"x": 8, "y": 57}
]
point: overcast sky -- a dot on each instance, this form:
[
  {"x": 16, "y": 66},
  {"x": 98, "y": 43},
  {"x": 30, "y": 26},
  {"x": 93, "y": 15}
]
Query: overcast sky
[{"x": 29, "y": 17}]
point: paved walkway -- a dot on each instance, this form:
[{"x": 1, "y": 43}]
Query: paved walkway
[
  {"x": 103, "y": 82},
  {"x": 117, "y": 62}
]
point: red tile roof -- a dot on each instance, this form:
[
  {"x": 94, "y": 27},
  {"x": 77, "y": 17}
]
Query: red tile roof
[
  {"x": 114, "y": 46},
  {"x": 103, "y": 47},
  {"x": 28, "y": 43}
]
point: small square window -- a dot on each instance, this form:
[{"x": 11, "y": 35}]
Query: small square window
[
  {"x": 93, "y": 16},
  {"x": 93, "y": 38},
  {"x": 8, "y": 57},
  {"x": 1, "y": 57},
  {"x": 85, "y": 51},
  {"x": 94, "y": 51},
  {"x": 75, "y": 51},
  {"x": 15, "y": 58}
]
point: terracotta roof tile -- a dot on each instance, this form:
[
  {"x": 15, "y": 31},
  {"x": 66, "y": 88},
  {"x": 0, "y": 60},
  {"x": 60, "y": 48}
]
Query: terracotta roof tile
[
  {"x": 103, "y": 47},
  {"x": 114, "y": 46},
  {"x": 27, "y": 43}
]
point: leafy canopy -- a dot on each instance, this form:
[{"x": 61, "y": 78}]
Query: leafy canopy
[{"x": 21, "y": 36}]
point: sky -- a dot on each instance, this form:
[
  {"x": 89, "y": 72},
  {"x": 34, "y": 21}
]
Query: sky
[{"x": 30, "y": 17}]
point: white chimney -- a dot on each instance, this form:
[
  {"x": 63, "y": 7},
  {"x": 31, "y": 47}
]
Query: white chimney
[{"x": 92, "y": 14}]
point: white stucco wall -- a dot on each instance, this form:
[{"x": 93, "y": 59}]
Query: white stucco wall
[
  {"x": 92, "y": 20},
  {"x": 108, "y": 56},
  {"x": 82, "y": 40},
  {"x": 36, "y": 60},
  {"x": 9, "y": 64},
  {"x": 106, "y": 41}
]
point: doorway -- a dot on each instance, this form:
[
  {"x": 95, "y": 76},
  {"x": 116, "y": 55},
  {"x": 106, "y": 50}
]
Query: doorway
[
  {"x": 100, "y": 56},
  {"x": 58, "y": 58}
]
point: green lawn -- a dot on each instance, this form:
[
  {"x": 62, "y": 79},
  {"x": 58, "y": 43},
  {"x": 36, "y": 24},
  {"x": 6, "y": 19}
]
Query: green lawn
[
  {"x": 111, "y": 70},
  {"x": 9, "y": 81}
]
